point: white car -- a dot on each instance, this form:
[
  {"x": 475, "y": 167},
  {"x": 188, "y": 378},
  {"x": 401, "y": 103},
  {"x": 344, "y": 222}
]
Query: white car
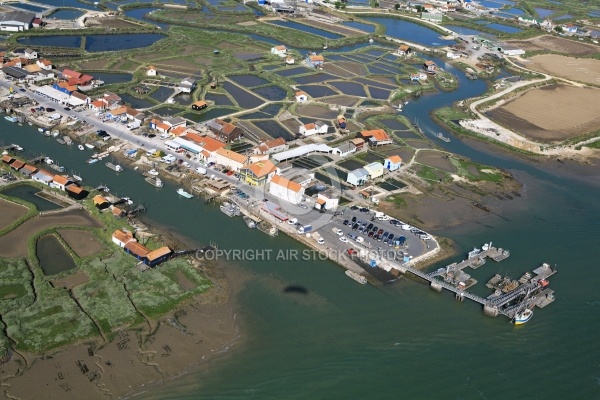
[
  {"x": 292, "y": 221},
  {"x": 339, "y": 232},
  {"x": 343, "y": 239}
]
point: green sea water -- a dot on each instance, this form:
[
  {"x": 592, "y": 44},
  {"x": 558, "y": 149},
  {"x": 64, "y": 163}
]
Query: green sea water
[{"x": 342, "y": 340}]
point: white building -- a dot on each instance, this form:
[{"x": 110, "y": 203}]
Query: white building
[
  {"x": 301, "y": 96},
  {"x": 229, "y": 159},
  {"x": 318, "y": 127},
  {"x": 44, "y": 64},
  {"x": 187, "y": 85},
  {"x": 280, "y": 51},
  {"x": 358, "y": 177},
  {"x": 327, "y": 201},
  {"x": 121, "y": 238},
  {"x": 16, "y": 21},
  {"x": 285, "y": 189},
  {"x": 30, "y": 54},
  {"x": 374, "y": 169},
  {"x": 151, "y": 71}
]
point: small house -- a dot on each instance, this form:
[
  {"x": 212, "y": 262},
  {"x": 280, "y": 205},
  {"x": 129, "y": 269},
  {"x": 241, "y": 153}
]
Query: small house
[
  {"x": 430, "y": 67},
  {"x": 223, "y": 130},
  {"x": 76, "y": 192},
  {"x": 30, "y": 54},
  {"x": 60, "y": 182},
  {"x": 187, "y": 85},
  {"x": 17, "y": 165},
  {"x": 6, "y": 159},
  {"x": 100, "y": 202},
  {"x": 315, "y": 61},
  {"x": 290, "y": 60},
  {"x": 392, "y": 163},
  {"x": 44, "y": 64},
  {"x": 404, "y": 50},
  {"x": 375, "y": 137},
  {"x": 42, "y": 176},
  {"x": 151, "y": 71},
  {"x": 375, "y": 170},
  {"x": 307, "y": 129},
  {"x": 357, "y": 177},
  {"x": 327, "y": 201},
  {"x": 28, "y": 170},
  {"x": 341, "y": 121},
  {"x": 158, "y": 256},
  {"x": 229, "y": 159},
  {"x": 137, "y": 250},
  {"x": 285, "y": 189},
  {"x": 258, "y": 173},
  {"x": 121, "y": 238},
  {"x": 199, "y": 105},
  {"x": 280, "y": 51},
  {"x": 271, "y": 146},
  {"x": 359, "y": 143},
  {"x": 117, "y": 212},
  {"x": 345, "y": 149},
  {"x": 301, "y": 96}
]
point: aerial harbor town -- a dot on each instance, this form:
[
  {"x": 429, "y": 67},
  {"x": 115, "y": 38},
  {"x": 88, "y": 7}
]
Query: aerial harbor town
[{"x": 337, "y": 124}]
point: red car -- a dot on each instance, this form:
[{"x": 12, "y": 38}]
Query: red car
[
  {"x": 230, "y": 173},
  {"x": 351, "y": 251}
]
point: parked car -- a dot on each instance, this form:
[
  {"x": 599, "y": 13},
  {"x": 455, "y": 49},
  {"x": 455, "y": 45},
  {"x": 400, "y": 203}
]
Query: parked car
[
  {"x": 67, "y": 109},
  {"x": 343, "y": 239},
  {"x": 354, "y": 208},
  {"x": 353, "y": 219},
  {"x": 346, "y": 222},
  {"x": 354, "y": 227},
  {"x": 364, "y": 209}
]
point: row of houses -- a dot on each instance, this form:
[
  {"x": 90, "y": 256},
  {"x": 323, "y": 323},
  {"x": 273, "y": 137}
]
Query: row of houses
[
  {"x": 130, "y": 245},
  {"x": 360, "y": 176},
  {"x": 60, "y": 182}
]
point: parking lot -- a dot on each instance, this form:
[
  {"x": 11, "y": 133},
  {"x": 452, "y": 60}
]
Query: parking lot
[{"x": 362, "y": 230}]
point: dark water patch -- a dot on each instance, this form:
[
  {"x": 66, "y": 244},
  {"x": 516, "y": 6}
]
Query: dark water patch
[
  {"x": 274, "y": 129},
  {"x": 244, "y": 98},
  {"x": 123, "y": 41},
  {"x": 54, "y": 41},
  {"x": 380, "y": 71},
  {"x": 271, "y": 67},
  {"x": 248, "y": 80},
  {"x": 337, "y": 57},
  {"x": 272, "y": 92},
  {"x": 410, "y": 31},
  {"x": 29, "y": 7},
  {"x": 28, "y": 193},
  {"x": 295, "y": 289},
  {"x": 219, "y": 99},
  {"x": 266, "y": 112},
  {"x": 351, "y": 88},
  {"x": 67, "y": 3},
  {"x": 112, "y": 77},
  {"x": 265, "y": 39},
  {"x": 53, "y": 256},
  {"x": 66, "y": 14},
  {"x": 318, "y": 91},
  {"x": 322, "y": 77},
  {"x": 307, "y": 28},
  {"x": 136, "y": 102},
  {"x": 293, "y": 71},
  {"x": 184, "y": 99},
  {"x": 360, "y": 25},
  {"x": 162, "y": 94},
  {"x": 566, "y": 16},
  {"x": 167, "y": 110},
  {"x": 377, "y": 93},
  {"x": 512, "y": 11},
  {"x": 372, "y": 82},
  {"x": 141, "y": 13},
  {"x": 210, "y": 114},
  {"x": 376, "y": 52},
  {"x": 393, "y": 123},
  {"x": 544, "y": 12},
  {"x": 352, "y": 164},
  {"x": 461, "y": 30},
  {"x": 406, "y": 134},
  {"x": 504, "y": 28}
]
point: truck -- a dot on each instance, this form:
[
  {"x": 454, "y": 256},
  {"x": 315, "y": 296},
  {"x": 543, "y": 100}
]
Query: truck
[
  {"x": 305, "y": 229},
  {"x": 318, "y": 238},
  {"x": 201, "y": 171},
  {"x": 133, "y": 125}
]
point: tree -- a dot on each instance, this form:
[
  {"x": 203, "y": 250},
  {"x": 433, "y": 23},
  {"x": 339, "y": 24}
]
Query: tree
[
  {"x": 338, "y": 4},
  {"x": 558, "y": 28},
  {"x": 397, "y": 6}
]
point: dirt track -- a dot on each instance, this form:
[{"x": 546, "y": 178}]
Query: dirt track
[{"x": 14, "y": 243}]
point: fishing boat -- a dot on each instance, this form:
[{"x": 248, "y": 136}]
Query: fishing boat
[
  {"x": 154, "y": 181},
  {"x": 116, "y": 168},
  {"x": 68, "y": 140},
  {"x": 231, "y": 210},
  {"x": 523, "y": 317},
  {"x": 48, "y": 161},
  {"x": 89, "y": 146},
  {"x": 185, "y": 194},
  {"x": 92, "y": 160},
  {"x": 482, "y": 207},
  {"x": 357, "y": 277},
  {"x": 80, "y": 147},
  {"x": 59, "y": 140},
  {"x": 249, "y": 222},
  {"x": 441, "y": 137},
  {"x": 54, "y": 133},
  {"x": 16, "y": 147},
  {"x": 39, "y": 129},
  {"x": 77, "y": 178},
  {"x": 10, "y": 118},
  {"x": 153, "y": 172}
]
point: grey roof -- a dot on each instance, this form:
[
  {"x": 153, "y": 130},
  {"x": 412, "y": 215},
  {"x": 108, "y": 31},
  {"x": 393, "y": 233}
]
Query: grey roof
[
  {"x": 175, "y": 120},
  {"x": 214, "y": 125},
  {"x": 359, "y": 173},
  {"x": 23, "y": 17},
  {"x": 346, "y": 147},
  {"x": 319, "y": 124},
  {"x": 188, "y": 82},
  {"x": 15, "y": 72}
]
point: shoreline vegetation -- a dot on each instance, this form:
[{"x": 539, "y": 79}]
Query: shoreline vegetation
[{"x": 150, "y": 340}]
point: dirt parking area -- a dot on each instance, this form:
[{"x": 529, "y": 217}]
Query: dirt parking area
[
  {"x": 552, "y": 113},
  {"x": 578, "y": 69},
  {"x": 556, "y": 44},
  {"x": 83, "y": 243},
  {"x": 14, "y": 243},
  {"x": 10, "y": 212}
]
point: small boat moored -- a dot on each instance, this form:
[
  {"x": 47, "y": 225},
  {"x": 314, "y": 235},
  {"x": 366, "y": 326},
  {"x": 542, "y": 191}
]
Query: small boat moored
[
  {"x": 357, "y": 277},
  {"x": 153, "y": 172},
  {"x": 92, "y": 160},
  {"x": 523, "y": 317},
  {"x": 89, "y": 146},
  {"x": 116, "y": 168},
  {"x": 154, "y": 181},
  {"x": 80, "y": 147},
  {"x": 249, "y": 222},
  {"x": 185, "y": 194}
]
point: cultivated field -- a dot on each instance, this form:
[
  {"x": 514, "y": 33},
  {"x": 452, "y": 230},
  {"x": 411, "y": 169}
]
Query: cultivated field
[
  {"x": 83, "y": 243},
  {"x": 556, "y": 44},
  {"x": 553, "y": 113},
  {"x": 578, "y": 69},
  {"x": 10, "y": 212}
]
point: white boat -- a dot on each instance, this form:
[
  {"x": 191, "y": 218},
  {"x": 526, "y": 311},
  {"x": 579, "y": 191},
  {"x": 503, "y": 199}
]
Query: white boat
[
  {"x": 92, "y": 160},
  {"x": 17, "y": 147},
  {"x": 48, "y": 161},
  {"x": 153, "y": 172},
  {"x": 231, "y": 210},
  {"x": 30, "y": 123},
  {"x": 154, "y": 181},
  {"x": 439, "y": 135},
  {"x": 249, "y": 222},
  {"x": 185, "y": 194},
  {"x": 370, "y": 40},
  {"x": 523, "y": 317},
  {"x": 39, "y": 129},
  {"x": 59, "y": 140},
  {"x": 10, "y": 118},
  {"x": 55, "y": 133},
  {"x": 89, "y": 146},
  {"x": 116, "y": 168},
  {"x": 357, "y": 277},
  {"x": 77, "y": 178},
  {"x": 80, "y": 147},
  {"x": 47, "y": 133}
]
